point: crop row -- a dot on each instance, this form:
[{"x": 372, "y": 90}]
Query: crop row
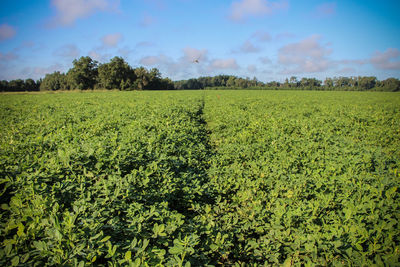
[
  {"x": 305, "y": 178},
  {"x": 102, "y": 179},
  {"x": 200, "y": 178}
]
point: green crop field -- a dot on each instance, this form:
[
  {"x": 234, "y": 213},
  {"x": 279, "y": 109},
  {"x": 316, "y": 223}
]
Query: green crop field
[{"x": 197, "y": 178}]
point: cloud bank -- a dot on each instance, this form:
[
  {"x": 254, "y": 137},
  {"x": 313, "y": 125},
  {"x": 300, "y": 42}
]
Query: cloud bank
[
  {"x": 306, "y": 56},
  {"x": 244, "y": 9},
  {"x": 68, "y": 11},
  {"x": 388, "y": 60}
]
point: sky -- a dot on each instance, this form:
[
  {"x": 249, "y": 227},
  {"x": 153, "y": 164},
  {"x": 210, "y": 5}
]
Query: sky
[{"x": 270, "y": 40}]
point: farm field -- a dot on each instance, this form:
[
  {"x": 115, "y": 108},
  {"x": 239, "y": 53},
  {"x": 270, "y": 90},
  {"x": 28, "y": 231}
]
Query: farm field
[{"x": 200, "y": 178}]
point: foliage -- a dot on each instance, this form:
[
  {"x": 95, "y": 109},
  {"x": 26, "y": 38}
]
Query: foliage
[
  {"x": 83, "y": 74},
  {"x": 117, "y": 74},
  {"x": 19, "y": 85},
  {"x": 200, "y": 178},
  {"x": 55, "y": 81},
  {"x": 305, "y": 178}
]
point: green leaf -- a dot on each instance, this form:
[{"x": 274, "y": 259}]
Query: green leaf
[
  {"x": 15, "y": 261},
  {"x": 8, "y": 249},
  {"x": 39, "y": 245},
  {"x": 128, "y": 255},
  {"x": 137, "y": 262},
  {"x": 21, "y": 229},
  {"x": 105, "y": 239},
  {"x": 25, "y": 258},
  {"x": 145, "y": 244},
  {"x": 213, "y": 247},
  {"x": 391, "y": 192},
  {"x": 288, "y": 262},
  {"x": 176, "y": 250}
]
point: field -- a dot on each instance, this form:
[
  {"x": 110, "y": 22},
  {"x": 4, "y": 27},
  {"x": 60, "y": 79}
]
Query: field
[{"x": 197, "y": 178}]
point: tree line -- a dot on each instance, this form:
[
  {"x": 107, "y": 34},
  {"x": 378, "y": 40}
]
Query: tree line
[
  {"x": 293, "y": 83},
  {"x": 88, "y": 74}
]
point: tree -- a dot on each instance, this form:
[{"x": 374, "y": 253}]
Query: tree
[
  {"x": 142, "y": 78},
  {"x": 341, "y": 82},
  {"x": 83, "y": 74},
  {"x": 293, "y": 81},
  {"x": 166, "y": 84},
  {"x": 117, "y": 74},
  {"x": 16, "y": 85},
  {"x": 4, "y": 87},
  {"x": 366, "y": 83},
  {"x": 285, "y": 84},
  {"x": 231, "y": 81},
  {"x": 30, "y": 85},
  {"x": 54, "y": 81},
  {"x": 390, "y": 84},
  {"x": 328, "y": 83}
]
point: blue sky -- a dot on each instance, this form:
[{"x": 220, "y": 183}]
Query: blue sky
[{"x": 270, "y": 40}]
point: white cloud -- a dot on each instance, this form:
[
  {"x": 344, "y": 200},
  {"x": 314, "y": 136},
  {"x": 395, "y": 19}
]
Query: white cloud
[
  {"x": 147, "y": 20},
  {"x": 262, "y": 36},
  {"x": 8, "y": 56},
  {"x": 229, "y": 63},
  {"x": 192, "y": 54},
  {"x": 156, "y": 60},
  {"x": 305, "y": 56},
  {"x": 265, "y": 60},
  {"x": 186, "y": 65},
  {"x": 37, "y": 72},
  {"x": 125, "y": 51},
  {"x": 243, "y": 9},
  {"x": 98, "y": 56},
  {"x": 388, "y": 60},
  {"x": 159, "y": 4},
  {"x": 111, "y": 40},
  {"x": 248, "y": 47},
  {"x": 182, "y": 66},
  {"x": 41, "y": 71},
  {"x": 347, "y": 71},
  {"x": 68, "y": 51},
  {"x": 284, "y": 35},
  {"x": 68, "y": 11},
  {"x": 144, "y": 44},
  {"x": 325, "y": 10},
  {"x": 6, "y": 32},
  {"x": 352, "y": 61},
  {"x": 252, "y": 68}
]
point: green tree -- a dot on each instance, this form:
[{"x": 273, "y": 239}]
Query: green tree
[
  {"x": 231, "y": 81},
  {"x": 390, "y": 84},
  {"x": 4, "y": 86},
  {"x": 293, "y": 81},
  {"x": 54, "y": 81},
  {"x": 328, "y": 83},
  {"x": 142, "y": 78},
  {"x": 17, "y": 85},
  {"x": 366, "y": 83},
  {"x": 117, "y": 74},
  {"x": 30, "y": 85},
  {"x": 83, "y": 74}
]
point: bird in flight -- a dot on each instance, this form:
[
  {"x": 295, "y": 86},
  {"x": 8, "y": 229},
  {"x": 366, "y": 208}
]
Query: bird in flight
[{"x": 196, "y": 61}]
